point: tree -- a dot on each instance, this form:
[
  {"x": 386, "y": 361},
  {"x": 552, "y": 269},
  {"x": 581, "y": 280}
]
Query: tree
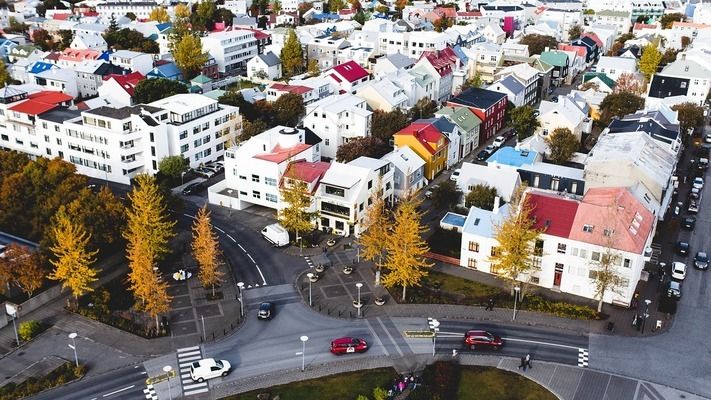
[
  {"x": 538, "y": 43},
  {"x": 669, "y": 56},
  {"x": 150, "y": 90},
  {"x": 384, "y": 125},
  {"x": 145, "y": 282},
  {"x": 203, "y": 16},
  {"x": 131, "y": 16},
  {"x": 589, "y": 85},
  {"x": 335, "y": 6},
  {"x": 43, "y": 39},
  {"x": 381, "y": 8},
  {"x": 252, "y": 128},
  {"x": 113, "y": 25},
  {"x": 603, "y": 273},
  {"x": 16, "y": 27},
  {"x": 189, "y": 56},
  {"x": 515, "y": 235},
  {"x": 424, "y": 108},
  {"x": 574, "y": 32},
  {"x": 102, "y": 213},
  {"x": 619, "y": 105},
  {"x": 367, "y": 146},
  {"x": 649, "y": 61},
  {"x": 446, "y": 194},
  {"x": 173, "y": 166},
  {"x": 206, "y": 250},
  {"x": 443, "y": 23},
  {"x": 288, "y": 109},
  {"x": 474, "y": 82},
  {"x": 4, "y": 75},
  {"x": 23, "y": 267},
  {"x": 668, "y": 20},
  {"x": 562, "y": 144},
  {"x": 400, "y": 5},
  {"x": 360, "y": 16},
  {"x": 405, "y": 260},
  {"x": 481, "y": 196},
  {"x": 313, "y": 68},
  {"x": 225, "y": 16},
  {"x": 72, "y": 261},
  {"x": 524, "y": 121},
  {"x": 130, "y": 39},
  {"x": 159, "y": 14},
  {"x": 376, "y": 225},
  {"x": 296, "y": 215},
  {"x": 276, "y": 7},
  {"x": 628, "y": 82},
  {"x": 181, "y": 24},
  {"x": 66, "y": 37},
  {"x": 690, "y": 116},
  {"x": 292, "y": 56}
]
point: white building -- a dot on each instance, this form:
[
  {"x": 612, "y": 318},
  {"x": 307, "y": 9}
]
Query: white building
[
  {"x": 119, "y": 89},
  {"x": 59, "y": 79},
  {"x": 88, "y": 41},
  {"x": 383, "y": 94},
  {"x": 231, "y": 49},
  {"x": 409, "y": 171},
  {"x": 338, "y": 119},
  {"x": 264, "y": 66},
  {"x": 565, "y": 113},
  {"x": 132, "y": 60},
  {"x": 142, "y": 9},
  {"x": 613, "y": 67}
]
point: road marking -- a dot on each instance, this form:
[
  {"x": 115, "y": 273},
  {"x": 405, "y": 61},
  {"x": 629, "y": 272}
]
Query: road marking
[
  {"x": 583, "y": 357},
  {"x": 118, "y": 391},
  {"x": 191, "y": 392},
  {"x": 184, "y": 349},
  {"x": 217, "y": 228},
  {"x": 241, "y": 248},
  {"x": 390, "y": 336},
  {"x": 250, "y": 257},
  {"x": 150, "y": 393},
  {"x": 230, "y": 236},
  {"x": 564, "y": 346}
]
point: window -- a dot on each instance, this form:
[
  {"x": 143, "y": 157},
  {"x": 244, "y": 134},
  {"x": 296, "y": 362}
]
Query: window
[
  {"x": 197, "y": 143},
  {"x": 335, "y": 191},
  {"x": 627, "y": 263},
  {"x": 555, "y": 183},
  {"x": 243, "y": 177},
  {"x": 256, "y": 194},
  {"x": 326, "y": 142},
  {"x": 183, "y": 135},
  {"x": 608, "y": 232},
  {"x": 471, "y": 263},
  {"x": 562, "y": 247},
  {"x": 270, "y": 197},
  {"x": 595, "y": 256},
  {"x": 494, "y": 251},
  {"x": 270, "y": 181},
  {"x": 474, "y": 246},
  {"x": 255, "y": 178},
  {"x": 588, "y": 228},
  {"x": 538, "y": 248},
  {"x": 583, "y": 253},
  {"x": 370, "y": 184}
]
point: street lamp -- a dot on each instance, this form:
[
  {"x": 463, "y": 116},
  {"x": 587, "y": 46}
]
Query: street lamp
[
  {"x": 303, "y": 352},
  {"x": 434, "y": 327},
  {"x": 182, "y": 178},
  {"x": 301, "y": 244},
  {"x": 310, "y": 275},
  {"x": 359, "y": 285},
  {"x": 646, "y": 313},
  {"x": 73, "y": 346},
  {"x": 167, "y": 370},
  {"x": 240, "y": 286},
  {"x": 516, "y": 290},
  {"x": 229, "y": 191}
]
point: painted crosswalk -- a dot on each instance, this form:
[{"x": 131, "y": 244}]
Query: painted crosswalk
[
  {"x": 308, "y": 261},
  {"x": 583, "y": 356},
  {"x": 186, "y": 356},
  {"x": 150, "y": 393}
]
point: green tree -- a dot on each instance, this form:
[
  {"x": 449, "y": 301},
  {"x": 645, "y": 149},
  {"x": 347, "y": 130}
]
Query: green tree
[
  {"x": 384, "y": 125},
  {"x": 16, "y": 26},
  {"x": 159, "y": 14},
  {"x": 113, "y": 25},
  {"x": 189, "y": 56},
  {"x": 381, "y": 8},
  {"x": 524, "y": 121},
  {"x": 66, "y": 36},
  {"x": 102, "y": 213},
  {"x": 668, "y": 20},
  {"x": 130, "y": 39},
  {"x": 206, "y": 250},
  {"x": 690, "y": 116},
  {"x": 292, "y": 56},
  {"x": 29, "y": 329},
  {"x": 474, "y": 82},
  {"x": 376, "y": 226},
  {"x": 288, "y": 109},
  {"x": 405, "y": 262},
  {"x": 173, "y": 166},
  {"x": 481, "y": 196},
  {"x": 276, "y": 7},
  {"x": 446, "y": 194},
  {"x": 619, "y": 105},
  {"x": 648, "y": 63},
  {"x": 4, "y": 74},
  {"x": 313, "y": 68},
  {"x": 296, "y": 215},
  {"x": 368, "y": 146},
  {"x": 441, "y": 24},
  {"x": 225, "y": 16},
  {"x": 335, "y": 6},
  {"x": 424, "y": 108},
  {"x": 538, "y": 43},
  {"x": 562, "y": 144},
  {"x": 131, "y": 16},
  {"x": 380, "y": 394},
  {"x": 360, "y": 17},
  {"x": 150, "y": 90},
  {"x": 574, "y": 32},
  {"x": 203, "y": 16},
  {"x": 251, "y": 129}
]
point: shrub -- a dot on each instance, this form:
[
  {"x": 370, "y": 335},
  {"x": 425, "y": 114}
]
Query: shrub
[
  {"x": 362, "y": 397},
  {"x": 64, "y": 373},
  {"x": 29, "y": 329},
  {"x": 380, "y": 393}
]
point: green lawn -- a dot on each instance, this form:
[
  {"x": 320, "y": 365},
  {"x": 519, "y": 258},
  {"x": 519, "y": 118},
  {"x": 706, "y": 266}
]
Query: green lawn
[
  {"x": 336, "y": 387},
  {"x": 455, "y": 284},
  {"x": 495, "y": 384}
]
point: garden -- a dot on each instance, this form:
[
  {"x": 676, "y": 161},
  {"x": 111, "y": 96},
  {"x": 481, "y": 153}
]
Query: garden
[{"x": 65, "y": 373}]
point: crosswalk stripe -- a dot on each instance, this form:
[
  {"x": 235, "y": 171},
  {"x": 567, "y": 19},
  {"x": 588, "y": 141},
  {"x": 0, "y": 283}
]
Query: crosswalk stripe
[
  {"x": 188, "y": 349},
  {"x": 192, "y": 392},
  {"x": 583, "y": 358},
  {"x": 196, "y": 385},
  {"x": 189, "y": 353},
  {"x": 191, "y": 358}
]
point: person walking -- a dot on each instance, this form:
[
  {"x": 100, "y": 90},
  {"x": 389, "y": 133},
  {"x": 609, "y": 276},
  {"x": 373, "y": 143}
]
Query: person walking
[
  {"x": 528, "y": 362},
  {"x": 523, "y": 364},
  {"x": 490, "y": 305}
]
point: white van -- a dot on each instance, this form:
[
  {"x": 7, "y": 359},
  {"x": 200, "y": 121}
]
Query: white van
[
  {"x": 209, "y": 368},
  {"x": 276, "y": 234}
]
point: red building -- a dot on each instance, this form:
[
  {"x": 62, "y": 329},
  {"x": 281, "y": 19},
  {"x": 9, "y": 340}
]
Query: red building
[{"x": 488, "y": 105}]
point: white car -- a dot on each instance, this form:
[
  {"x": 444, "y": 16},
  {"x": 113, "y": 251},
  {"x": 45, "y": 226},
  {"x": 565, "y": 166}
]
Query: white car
[
  {"x": 209, "y": 368},
  {"x": 707, "y": 138},
  {"x": 455, "y": 175},
  {"x": 678, "y": 270},
  {"x": 699, "y": 183},
  {"x": 499, "y": 141}
]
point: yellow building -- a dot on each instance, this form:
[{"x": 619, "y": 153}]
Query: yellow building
[{"x": 428, "y": 142}]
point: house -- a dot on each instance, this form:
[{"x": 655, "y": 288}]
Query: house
[
  {"x": 576, "y": 64},
  {"x": 336, "y": 120},
  {"x": 545, "y": 78},
  {"x": 680, "y": 78},
  {"x": 441, "y": 64},
  {"x": 141, "y": 9},
  {"x": 383, "y": 94},
  {"x": 70, "y": 58},
  {"x": 61, "y": 80},
  {"x": 231, "y": 49},
  {"x": 451, "y": 132},
  {"x": 493, "y": 33},
  {"x": 347, "y": 77},
  {"x": 547, "y": 176},
  {"x": 255, "y": 170},
  {"x": 408, "y": 171},
  {"x": 616, "y": 66},
  {"x": 488, "y": 105},
  {"x": 24, "y": 52},
  {"x": 619, "y": 18},
  {"x": 276, "y": 90},
  {"x": 347, "y": 189},
  {"x": 468, "y": 124},
  {"x": 512, "y": 88},
  {"x": 660, "y": 124},
  {"x": 390, "y": 63},
  {"x": 504, "y": 179},
  {"x": 90, "y": 76},
  {"x": 165, "y": 70},
  {"x": 119, "y": 89},
  {"x": 527, "y": 76},
  {"x": 565, "y": 113},
  {"x": 5, "y": 46},
  {"x": 485, "y": 59},
  {"x": 427, "y": 142},
  {"x": 591, "y": 45},
  {"x": 132, "y": 60},
  {"x": 559, "y": 61},
  {"x": 200, "y": 84},
  {"x": 88, "y": 41},
  {"x": 325, "y": 50},
  {"x": 264, "y": 66},
  {"x": 601, "y": 81}
]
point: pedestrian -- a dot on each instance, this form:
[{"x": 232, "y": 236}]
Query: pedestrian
[
  {"x": 528, "y": 362},
  {"x": 324, "y": 250},
  {"x": 454, "y": 353},
  {"x": 523, "y": 364},
  {"x": 490, "y": 305}
]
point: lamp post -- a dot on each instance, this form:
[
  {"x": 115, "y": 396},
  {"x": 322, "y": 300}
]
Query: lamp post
[
  {"x": 310, "y": 275},
  {"x": 73, "y": 346},
  {"x": 517, "y": 289},
  {"x": 229, "y": 192},
  {"x": 240, "y": 286},
  {"x": 182, "y": 178},
  {"x": 303, "y": 352},
  {"x": 167, "y": 370},
  {"x": 434, "y": 327},
  {"x": 301, "y": 244},
  {"x": 646, "y": 313},
  {"x": 359, "y": 285}
]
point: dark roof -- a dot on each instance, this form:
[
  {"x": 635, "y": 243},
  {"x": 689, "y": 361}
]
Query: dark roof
[
  {"x": 588, "y": 41},
  {"x": 634, "y": 49},
  {"x": 311, "y": 138},
  {"x": 60, "y": 114},
  {"x": 666, "y": 86},
  {"x": 649, "y": 126},
  {"x": 503, "y": 8},
  {"x": 108, "y": 69},
  {"x": 478, "y": 98},
  {"x": 123, "y": 112},
  {"x": 270, "y": 59}
]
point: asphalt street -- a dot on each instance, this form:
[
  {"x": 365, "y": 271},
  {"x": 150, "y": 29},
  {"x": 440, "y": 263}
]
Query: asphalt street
[{"x": 126, "y": 383}]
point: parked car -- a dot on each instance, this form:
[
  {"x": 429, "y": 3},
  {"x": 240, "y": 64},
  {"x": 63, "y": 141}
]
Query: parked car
[
  {"x": 474, "y": 339},
  {"x": 499, "y": 141},
  {"x": 701, "y": 260},
  {"x": 698, "y": 182},
  {"x": 682, "y": 248},
  {"x": 483, "y": 155},
  {"x": 209, "y": 368},
  {"x": 693, "y": 206},
  {"x": 703, "y": 164},
  {"x": 674, "y": 290},
  {"x": 695, "y": 193},
  {"x": 678, "y": 270},
  {"x": 455, "y": 175},
  {"x": 276, "y": 234},
  {"x": 193, "y": 188},
  {"x": 688, "y": 223},
  {"x": 707, "y": 138},
  {"x": 266, "y": 310},
  {"x": 430, "y": 191},
  {"x": 207, "y": 173},
  {"x": 347, "y": 345},
  {"x": 490, "y": 149}
]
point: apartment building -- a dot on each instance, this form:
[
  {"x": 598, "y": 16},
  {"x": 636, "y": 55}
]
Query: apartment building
[
  {"x": 142, "y": 9},
  {"x": 338, "y": 119},
  {"x": 231, "y": 49}
]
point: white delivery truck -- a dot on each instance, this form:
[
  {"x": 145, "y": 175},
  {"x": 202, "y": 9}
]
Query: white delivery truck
[{"x": 276, "y": 234}]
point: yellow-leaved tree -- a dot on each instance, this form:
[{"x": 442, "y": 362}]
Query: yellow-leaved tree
[
  {"x": 159, "y": 14},
  {"x": 206, "y": 250},
  {"x": 295, "y": 215},
  {"x": 189, "y": 56},
  {"x": 145, "y": 280},
  {"x": 377, "y": 226},
  {"x": 405, "y": 259},
  {"x": 72, "y": 260},
  {"x": 23, "y": 267}
]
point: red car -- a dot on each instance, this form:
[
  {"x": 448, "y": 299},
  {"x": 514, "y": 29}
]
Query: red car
[
  {"x": 482, "y": 339},
  {"x": 347, "y": 345}
]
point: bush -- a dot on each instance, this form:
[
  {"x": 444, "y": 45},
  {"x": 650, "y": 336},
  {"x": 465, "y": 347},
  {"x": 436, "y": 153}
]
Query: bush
[
  {"x": 66, "y": 372},
  {"x": 558, "y": 308},
  {"x": 380, "y": 393},
  {"x": 29, "y": 329}
]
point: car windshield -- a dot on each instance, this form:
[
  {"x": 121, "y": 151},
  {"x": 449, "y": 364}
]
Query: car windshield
[
  {"x": 679, "y": 268},
  {"x": 702, "y": 257},
  {"x": 218, "y": 363}
]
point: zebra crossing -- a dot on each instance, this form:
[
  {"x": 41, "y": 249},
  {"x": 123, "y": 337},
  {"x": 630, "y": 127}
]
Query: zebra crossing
[
  {"x": 150, "y": 393},
  {"x": 309, "y": 262},
  {"x": 187, "y": 356},
  {"x": 583, "y": 355}
]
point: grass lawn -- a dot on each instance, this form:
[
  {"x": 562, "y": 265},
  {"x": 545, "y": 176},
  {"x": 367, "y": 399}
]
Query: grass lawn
[
  {"x": 336, "y": 387},
  {"x": 495, "y": 384},
  {"x": 455, "y": 284}
]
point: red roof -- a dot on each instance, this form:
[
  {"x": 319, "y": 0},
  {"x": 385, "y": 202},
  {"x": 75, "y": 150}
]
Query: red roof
[
  {"x": 449, "y": 12},
  {"x": 279, "y": 154},
  {"x": 336, "y": 78},
  {"x": 639, "y": 25},
  {"x": 581, "y": 50},
  {"x": 310, "y": 172},
  {"x": 443, "y": 60},
  {"x": 49, "y": 96},
  {"x": 90, "y": 14},
  {"x": 553, "y": 214},
  {"x": 593, "y": 37},
  {"x": 41, "y": 102},
  {"x": 79, "y": 55},
  {"x": 127, "y": 82},
  {"x": 52, "y": 56},
  {"x": 425, "y": 133},
  {"x": 259, "y": 35},
  {"x": 351, "y": 71},
  {"x": 295, "y": 89},
  {"x": 468, "y": 14},
  {"x": 61, "y": 17}
]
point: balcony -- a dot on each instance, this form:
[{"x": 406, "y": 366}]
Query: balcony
[{"x": 335, "y": 210}]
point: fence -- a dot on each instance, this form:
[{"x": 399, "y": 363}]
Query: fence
[{"x": 443, "y": 258}]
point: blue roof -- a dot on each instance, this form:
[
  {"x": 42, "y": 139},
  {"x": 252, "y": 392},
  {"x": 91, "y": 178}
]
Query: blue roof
[
  {"x": 169, "y": 70},
  {"x": 322, "y": 16},
  {"x": 512, "y": 157},
  {"x": 40, "y": 66},
  {"x": 481, "y": 222},
  {"x": 104, "y": 55},
  {"x": 454, "y": 219},
  {"x": 458, "y": 51},
  {"x": 164, "y": 26}
]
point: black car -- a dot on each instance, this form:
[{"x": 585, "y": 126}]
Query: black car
[
  {"x": 266, "y": 309},
  {"x": 682, "y": 248},
  {"x": 674, "y": 290},
  {"x": 192, "y": 188},
  {"x": 701, "y": 260},
  {"x": 483, "y": 155},
  {"x": 688, "y": 223}
]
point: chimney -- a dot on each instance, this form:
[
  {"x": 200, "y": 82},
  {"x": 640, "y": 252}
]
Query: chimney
[
  {"x": 547, "y": 48},
  {"x": 497, "y": 201}
]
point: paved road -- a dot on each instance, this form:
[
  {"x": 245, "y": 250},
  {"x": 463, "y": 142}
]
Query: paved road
[{"x": 127, "y": 383}]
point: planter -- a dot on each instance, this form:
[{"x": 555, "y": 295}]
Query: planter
[
  {"x": 379, "y": 301},
  {"x": 314, "y": 278},
  {"x": 357, "y": 304},
  {"x": 347, "y": 270},
  {"x": 331, "y": 242},
  {"x": 320, "y": 268}
]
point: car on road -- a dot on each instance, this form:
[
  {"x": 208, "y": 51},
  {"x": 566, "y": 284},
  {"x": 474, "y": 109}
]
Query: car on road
[
  {"x": 430, "y": 191},
  {"x": 483, "y": 155},
  {"x": 701, "y": 260},
  {"x": 499, "y": 141},
  {"x": 347, "y": 345},
  {"x": 674, "y": 289},
  {"x": 209, "y": 368},
  {"x": 266, "y": 310},
  {"x": 678, "y": 270},
  {"x": 455, "y": 175},
  {"x": 682, "y": 248},
  {"x": 192, "y": 188},
  {"x": 688, "y": 223},
  {"x": 475, "y": 339},
  {"x": 698, "y": 182},
  {"x": 695, "y": 194},
  {"x": 707, "y": 138}
]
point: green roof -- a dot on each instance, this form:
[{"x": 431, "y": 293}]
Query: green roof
[
  {"x": 201, "y": 79},
  {"x": 542, "y": 65},
  {"x": 214, "y": 94},
  {"x": 600, "y": 75},
  {"x": 461, "y": 116},
  {"x": 555, "y": 58}
]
